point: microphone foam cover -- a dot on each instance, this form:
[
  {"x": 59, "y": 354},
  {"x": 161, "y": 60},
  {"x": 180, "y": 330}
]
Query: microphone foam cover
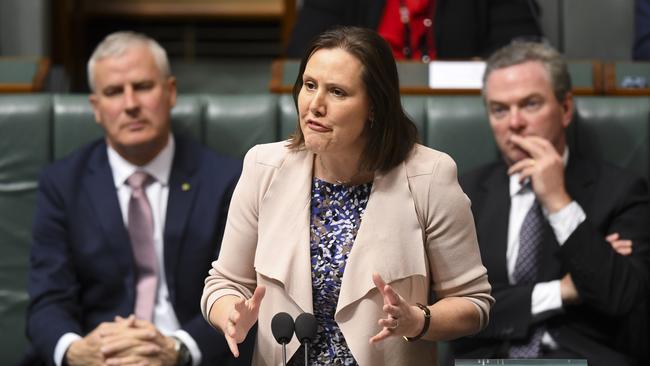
[
  {"x": 306, "y": 326},
  {"x": 282, "y": 327}
]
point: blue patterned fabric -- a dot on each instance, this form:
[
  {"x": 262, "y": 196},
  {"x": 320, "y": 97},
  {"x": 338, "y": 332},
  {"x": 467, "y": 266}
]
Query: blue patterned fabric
[{"x": 336, "y": 212}]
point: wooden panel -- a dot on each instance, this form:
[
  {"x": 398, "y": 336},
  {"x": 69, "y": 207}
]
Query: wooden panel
[
  {"x": 414, "y": 78},
  {"x": 250, "y": 9},
  {"x": 616, "y": 72},
  {"x": 23, "y": 74}
]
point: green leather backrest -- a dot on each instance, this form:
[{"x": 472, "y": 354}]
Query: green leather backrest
[
  {"x": 458, "y": 126},
  {"x": 234, "y": 124},
  {"x": 288, "y": 116},
  {"x": 25, "y": 133},
  {"x": 74, "y": 121},
  {"x": 74, "y": 124},
  {"x": 615, "y": 129},
  {"x": 187, "y": 117}
]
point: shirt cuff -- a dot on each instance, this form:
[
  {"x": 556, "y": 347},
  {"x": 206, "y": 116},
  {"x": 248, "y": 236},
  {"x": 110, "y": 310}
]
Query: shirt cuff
[
  {"x": 62, "y": 347},
  {"x": 546, "y": 297},
  {"x": 565, "y": 221},
  {"x": 191, "y": 345}
]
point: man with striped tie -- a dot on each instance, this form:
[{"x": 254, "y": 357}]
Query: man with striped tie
[
  {"x": 564, "y": 237},
  {"x": 126, "y": 227}
]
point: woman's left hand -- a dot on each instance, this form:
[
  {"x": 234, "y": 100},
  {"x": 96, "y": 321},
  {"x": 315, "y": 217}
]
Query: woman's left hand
[{"x": 402, "y": 318}]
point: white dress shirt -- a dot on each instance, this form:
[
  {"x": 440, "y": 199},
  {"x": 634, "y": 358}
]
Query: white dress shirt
[
  {"x": 164, "y": 317},
  {"x": 546, "y": 297}
]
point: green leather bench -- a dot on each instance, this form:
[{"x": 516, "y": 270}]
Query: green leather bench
[{"x": 37, "y": 129}]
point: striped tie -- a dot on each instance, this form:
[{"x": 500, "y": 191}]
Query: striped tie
[
  {"x": 526, "y": 273},
  {"x": 141, "y": 233}
]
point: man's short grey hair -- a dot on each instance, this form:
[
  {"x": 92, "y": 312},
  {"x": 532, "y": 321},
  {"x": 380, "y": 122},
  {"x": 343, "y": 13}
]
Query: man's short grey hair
[
  {"x": 116, "y": 44},
  {"x": 519, "y": 52}
]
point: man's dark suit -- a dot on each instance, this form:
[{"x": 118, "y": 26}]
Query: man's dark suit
[
  {"x": 611, "y": 286},
  {"x": 462, "y": 28},
  {"x": 82, "y": 267},
  {"x": 641, "y": 49}
]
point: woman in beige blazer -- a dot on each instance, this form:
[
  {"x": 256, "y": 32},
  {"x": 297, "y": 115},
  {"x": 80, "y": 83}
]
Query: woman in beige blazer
[{"x": 351, "y": 220}]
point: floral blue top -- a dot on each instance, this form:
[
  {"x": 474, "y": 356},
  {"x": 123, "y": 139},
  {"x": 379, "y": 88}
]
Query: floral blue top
[{"x": 336, "y": 212}]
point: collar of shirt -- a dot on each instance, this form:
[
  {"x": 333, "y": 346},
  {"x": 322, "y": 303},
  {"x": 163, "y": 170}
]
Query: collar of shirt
[
  {"x": 159, "y": 168},
  {"x": 518, "y": 188}
]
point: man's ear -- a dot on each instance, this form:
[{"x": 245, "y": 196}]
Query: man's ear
[
  {"x": 568, "y": 107},
  {"x": 171, "y": 87},
  {"x": 94, "y": 101}
]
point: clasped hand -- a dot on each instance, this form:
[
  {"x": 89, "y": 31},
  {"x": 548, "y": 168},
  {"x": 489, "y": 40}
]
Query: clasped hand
[{"x": 126, "y": 341}]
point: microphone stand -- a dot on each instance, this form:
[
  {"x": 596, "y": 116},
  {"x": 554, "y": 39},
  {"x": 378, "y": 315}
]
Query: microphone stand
[
  {"x": 306, "y": 354},
  {"x": 284, "y": 354}
]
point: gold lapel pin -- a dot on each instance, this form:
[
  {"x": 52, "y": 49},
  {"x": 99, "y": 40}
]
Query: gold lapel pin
[{"x": 185, "y": 187}]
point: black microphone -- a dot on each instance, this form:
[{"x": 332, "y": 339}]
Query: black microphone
[
  {"x": 306, "y": 326},
  {"x": 282, "y": 328}
]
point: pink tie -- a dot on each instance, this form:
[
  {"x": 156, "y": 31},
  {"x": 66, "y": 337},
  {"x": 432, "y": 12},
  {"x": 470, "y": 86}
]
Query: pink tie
[{"x": 141, "y": 234}]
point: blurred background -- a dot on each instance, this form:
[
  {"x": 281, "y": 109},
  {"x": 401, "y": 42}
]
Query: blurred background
[
  {"x": 234, "y": 41},
  {"x": 228, "y": 47}
]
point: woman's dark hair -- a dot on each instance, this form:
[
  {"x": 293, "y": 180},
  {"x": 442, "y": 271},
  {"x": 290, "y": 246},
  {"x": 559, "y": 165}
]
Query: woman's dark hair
[{"x": 391, "y": 134}]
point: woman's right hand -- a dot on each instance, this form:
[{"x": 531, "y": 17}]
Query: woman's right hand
[{"x": 241, "y": 318}]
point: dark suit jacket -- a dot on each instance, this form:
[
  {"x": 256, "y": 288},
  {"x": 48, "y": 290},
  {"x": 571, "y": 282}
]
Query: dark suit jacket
[
  {"x": 462, "y": 28},
  {"x": 612, "y": 287},
  {"x": 82, "y": 266},
  {"x": 641, "y": 30}
]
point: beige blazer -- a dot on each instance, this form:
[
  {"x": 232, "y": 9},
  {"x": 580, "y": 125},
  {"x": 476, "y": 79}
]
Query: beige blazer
[{"x": 417, "y": 232}]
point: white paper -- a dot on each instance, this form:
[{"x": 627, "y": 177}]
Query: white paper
[{"x": 456, "y": 74}]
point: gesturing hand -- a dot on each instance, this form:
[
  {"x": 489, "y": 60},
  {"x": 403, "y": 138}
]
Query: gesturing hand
[
  {"x": 402, "y": 318},
  {"x": 241, "y": 319}
]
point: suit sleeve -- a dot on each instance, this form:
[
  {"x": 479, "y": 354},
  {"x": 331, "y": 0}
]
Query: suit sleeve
[
  {"x": 510, "y": 317},
  {"x": 53, "y": 285},
  {"x": 605, "y": 280}
]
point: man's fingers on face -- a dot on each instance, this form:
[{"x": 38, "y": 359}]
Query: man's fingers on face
[
  {"x": 535, "y": 146},
  {"x": 521, "y": 165}
]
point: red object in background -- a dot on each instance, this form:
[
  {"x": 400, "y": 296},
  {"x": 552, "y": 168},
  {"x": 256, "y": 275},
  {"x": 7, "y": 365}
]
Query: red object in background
[{"x": 412, "y": 17}]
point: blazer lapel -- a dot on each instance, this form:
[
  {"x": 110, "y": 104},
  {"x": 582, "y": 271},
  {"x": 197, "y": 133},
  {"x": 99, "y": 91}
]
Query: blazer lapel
[
  {"x": 100, "y": 189},
  {"x": 580, "y": 174},
  {"x": 283, "y": 245},
  {"x": 492, "y": 224},
  {"x": 183, "y": 188},
  {"x": 380, "y": 243}
]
